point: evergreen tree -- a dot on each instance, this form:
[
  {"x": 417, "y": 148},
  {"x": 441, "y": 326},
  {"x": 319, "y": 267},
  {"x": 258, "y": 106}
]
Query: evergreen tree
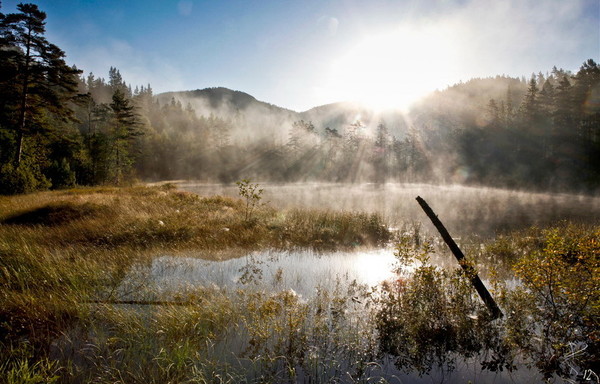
[
  {"x": 36, "y": 80},
  {"x": 301, "y": 136},
  {"x": 124, "y": 129},
  {"x": 381, "y": 153},
  {"x": 586, "y": 93},
  {"x": 116, "y": 83}
]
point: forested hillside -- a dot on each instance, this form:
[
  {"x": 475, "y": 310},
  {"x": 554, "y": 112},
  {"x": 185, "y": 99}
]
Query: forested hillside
[{"x": 59, "y": 128}]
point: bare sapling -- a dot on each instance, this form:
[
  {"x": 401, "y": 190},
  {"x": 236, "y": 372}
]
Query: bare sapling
[{"x": 252, "y": 195}]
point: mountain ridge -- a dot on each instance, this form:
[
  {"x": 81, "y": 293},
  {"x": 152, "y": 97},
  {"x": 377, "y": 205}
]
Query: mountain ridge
[{"x": 255, "y": 117}]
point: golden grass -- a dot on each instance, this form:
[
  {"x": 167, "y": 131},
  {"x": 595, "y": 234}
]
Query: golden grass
[
  {"x": 59, "y": 248},
  {"x": 143, "y": 217}
]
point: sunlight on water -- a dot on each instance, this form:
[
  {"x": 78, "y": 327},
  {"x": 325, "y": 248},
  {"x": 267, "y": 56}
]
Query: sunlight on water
[{"x": 302, "y": 271}]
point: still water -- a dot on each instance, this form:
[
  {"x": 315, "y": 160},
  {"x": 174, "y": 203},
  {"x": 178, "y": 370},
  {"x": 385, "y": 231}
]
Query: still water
[
  {"x": 303, "y": 271},
  {"x": 466, "y": 211}
]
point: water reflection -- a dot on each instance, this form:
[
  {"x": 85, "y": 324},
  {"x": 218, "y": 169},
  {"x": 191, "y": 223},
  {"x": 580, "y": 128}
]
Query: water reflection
[
  {"x": 302, "y": 271},
  {"x": 305, "y": 272}
]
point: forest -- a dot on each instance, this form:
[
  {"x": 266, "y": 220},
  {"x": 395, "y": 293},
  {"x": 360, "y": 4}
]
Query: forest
[{"x": 60, "y": 128}]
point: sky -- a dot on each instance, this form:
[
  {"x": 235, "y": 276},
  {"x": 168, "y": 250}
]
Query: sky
[{"x": 299, "y": 54}]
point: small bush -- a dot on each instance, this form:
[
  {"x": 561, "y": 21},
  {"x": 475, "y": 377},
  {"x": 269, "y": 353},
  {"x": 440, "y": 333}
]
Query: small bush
[
  {"x": 252, "y": 195},
  {"x": 21, "y": 179},
  {"x": 554, "y": 315},
  {"x": 432, "y": 317}
]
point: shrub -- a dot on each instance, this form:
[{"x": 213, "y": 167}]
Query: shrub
[
  {"x": 21, "y": 179},
  {"x": 430, "y": 318},
  {"x": 554, "y": 315},
  {"x": 251, "y": 195}
]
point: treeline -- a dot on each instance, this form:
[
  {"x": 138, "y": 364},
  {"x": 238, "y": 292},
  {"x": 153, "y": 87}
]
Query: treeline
[
  {"x": 550, "y": 140},
  {"x": 59, "y": 129}
]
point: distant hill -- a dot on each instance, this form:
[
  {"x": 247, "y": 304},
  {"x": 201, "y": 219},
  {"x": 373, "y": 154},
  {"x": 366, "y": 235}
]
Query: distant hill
[
  {"x": 501, "y": 131},
  {"x": 460, "y": 105},
  {"x": 250, "y": 118},
  {"x": 220, "y": 99},
  {"x": 258, "y": 119}
]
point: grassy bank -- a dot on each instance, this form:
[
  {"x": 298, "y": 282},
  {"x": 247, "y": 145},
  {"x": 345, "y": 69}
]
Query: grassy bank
[
  {"x": 59, "y": 250},
  {"x": 162, "y": 217}
]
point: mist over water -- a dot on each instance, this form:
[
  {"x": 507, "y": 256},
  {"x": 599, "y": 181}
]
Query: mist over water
[
  {"x": 465, "y": 211},
  {"x": 355, "y": 276}
]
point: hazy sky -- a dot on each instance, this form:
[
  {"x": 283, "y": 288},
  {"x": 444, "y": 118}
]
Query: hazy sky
[{"x": 300, "y": 54}]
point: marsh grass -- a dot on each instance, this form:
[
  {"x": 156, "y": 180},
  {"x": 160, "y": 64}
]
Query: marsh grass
[
  {"x": 52, "y": 264},
  {"x": 141, "y": 218},
  {"x": 60, "y": 249},
  {"x": 235, "y": 336}
]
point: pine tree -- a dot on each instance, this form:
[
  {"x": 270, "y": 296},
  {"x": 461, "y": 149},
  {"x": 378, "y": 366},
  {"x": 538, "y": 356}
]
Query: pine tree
[
  {"x": 381, "y": 153},
  {"x": 35, "y": 78},
  {"x": 586, "y": 91},
  {"x": 124, "y": 129}
]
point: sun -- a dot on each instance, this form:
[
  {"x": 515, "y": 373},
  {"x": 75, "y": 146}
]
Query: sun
[{"x": 391, "y": 70}]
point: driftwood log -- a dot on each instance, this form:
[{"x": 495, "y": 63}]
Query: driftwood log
[{"x": 475, "y": 280}]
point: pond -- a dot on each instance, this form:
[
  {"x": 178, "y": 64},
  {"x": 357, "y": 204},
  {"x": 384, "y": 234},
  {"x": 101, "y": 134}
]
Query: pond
[
  {"x": 308, "y": 276},
  {"x": 302, "y": 271},
  {"x": 298, "y": 282}
]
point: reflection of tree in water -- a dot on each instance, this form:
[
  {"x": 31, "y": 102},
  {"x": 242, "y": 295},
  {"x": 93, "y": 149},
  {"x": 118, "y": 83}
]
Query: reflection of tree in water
[
  {"x": 433, "y": 319},
  {"x": 251, "y": 271}
]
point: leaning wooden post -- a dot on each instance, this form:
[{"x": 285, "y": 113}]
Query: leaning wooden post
[{"x": 475, "y": 280}]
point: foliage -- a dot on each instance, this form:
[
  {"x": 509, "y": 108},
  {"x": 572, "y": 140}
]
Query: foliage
[
  {"x": 61, "y": 175},
  {"x": 123, "y": 129},
  {"x": 38, "y": 82},
  {"x": 25, "y": 178},
  {"x": 540, "y": 133},
  {"x": 555, "y": 313},
  {"x": 62, "y": 248},
  {"x": 16, "y": 368},
  {"x": 433, "y": 317}
]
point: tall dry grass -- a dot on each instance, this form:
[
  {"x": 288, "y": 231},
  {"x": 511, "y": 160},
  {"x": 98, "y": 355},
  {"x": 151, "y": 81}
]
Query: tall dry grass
[{"x": 60, "y": 249}]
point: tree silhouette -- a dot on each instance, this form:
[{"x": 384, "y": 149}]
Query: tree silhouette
[{"x": 35, "y": 77}]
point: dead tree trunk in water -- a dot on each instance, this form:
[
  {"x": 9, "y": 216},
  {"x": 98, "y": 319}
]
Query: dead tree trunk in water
[{"x": 475, "y": 280}]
